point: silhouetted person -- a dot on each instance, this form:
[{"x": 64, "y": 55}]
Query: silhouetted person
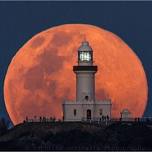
[
  {"x": 138, "y": 119},
  {"x": 40, "y": 119},
  {"x": 107, "y": 118},
  {"x": 50, "y": 119},
  {"x": 102, "y": 118}
]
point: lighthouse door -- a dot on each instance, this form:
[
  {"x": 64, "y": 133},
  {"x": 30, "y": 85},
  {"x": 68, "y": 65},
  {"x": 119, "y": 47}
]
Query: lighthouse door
[{"x": 88, "y": 114}]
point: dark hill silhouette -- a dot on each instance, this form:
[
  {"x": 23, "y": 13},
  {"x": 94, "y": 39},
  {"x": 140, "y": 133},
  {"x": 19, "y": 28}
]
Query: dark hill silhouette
[{"x": 78, "y": 136}]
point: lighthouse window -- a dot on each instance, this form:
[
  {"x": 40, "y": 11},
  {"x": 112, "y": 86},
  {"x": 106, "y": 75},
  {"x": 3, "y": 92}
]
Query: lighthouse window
[
  {"x": 75, "y": 112},
  {"x": 85, "y": 56},
  {"x": 86, "y": 97}
]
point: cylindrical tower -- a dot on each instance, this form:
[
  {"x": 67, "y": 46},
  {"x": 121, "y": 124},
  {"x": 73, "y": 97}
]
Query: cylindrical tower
[{"x": 85, "y": 74}]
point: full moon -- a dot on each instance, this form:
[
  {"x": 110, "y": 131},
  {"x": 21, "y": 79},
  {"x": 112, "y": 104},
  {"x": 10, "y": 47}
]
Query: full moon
[{"x": 40, "y": 77}]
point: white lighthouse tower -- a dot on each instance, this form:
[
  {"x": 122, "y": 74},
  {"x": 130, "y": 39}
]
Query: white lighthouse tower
[
  {"x": 85, "y": 107},
  {"x": 85, "y": 74}
]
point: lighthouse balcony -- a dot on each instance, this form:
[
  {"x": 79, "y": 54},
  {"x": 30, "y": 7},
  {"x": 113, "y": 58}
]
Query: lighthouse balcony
[{"x": 85, "y": 68}]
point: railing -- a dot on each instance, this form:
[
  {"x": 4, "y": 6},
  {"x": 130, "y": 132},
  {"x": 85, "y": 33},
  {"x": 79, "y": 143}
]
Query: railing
[{"x": 96, "y": 119}]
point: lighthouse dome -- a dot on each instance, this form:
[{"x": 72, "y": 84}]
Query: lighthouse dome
[{"x": 85, "y": 46}]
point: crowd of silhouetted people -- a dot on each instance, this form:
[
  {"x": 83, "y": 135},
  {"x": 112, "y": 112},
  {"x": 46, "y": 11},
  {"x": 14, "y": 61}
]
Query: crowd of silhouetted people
[
  {"x": 40, "y": 119},
  {"x": 102, "y": 119}
]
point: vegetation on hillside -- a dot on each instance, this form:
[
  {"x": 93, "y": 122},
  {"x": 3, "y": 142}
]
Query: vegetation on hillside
[{"x": 78, "y": 136}]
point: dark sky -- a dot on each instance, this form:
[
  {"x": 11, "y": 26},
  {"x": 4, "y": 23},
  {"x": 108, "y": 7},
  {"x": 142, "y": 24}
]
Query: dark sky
[{"x": 132, "y": 21}]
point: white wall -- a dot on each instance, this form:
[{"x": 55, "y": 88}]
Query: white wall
[
  {"x": 69, "y": 112},
  {"x": 81, "y": 110}
]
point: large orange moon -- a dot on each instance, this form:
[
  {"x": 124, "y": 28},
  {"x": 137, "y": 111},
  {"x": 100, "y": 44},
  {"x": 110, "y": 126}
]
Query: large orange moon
[{"x": 40, "y": 77}]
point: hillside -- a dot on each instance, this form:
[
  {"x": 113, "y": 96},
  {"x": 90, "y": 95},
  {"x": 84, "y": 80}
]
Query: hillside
[{"x": 78, "y": 136}]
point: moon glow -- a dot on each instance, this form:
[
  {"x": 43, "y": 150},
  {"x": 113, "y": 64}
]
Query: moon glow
[{"x": 40, "y": 77}]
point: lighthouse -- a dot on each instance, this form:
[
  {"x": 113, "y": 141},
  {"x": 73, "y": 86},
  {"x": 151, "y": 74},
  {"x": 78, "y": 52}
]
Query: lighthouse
[
  {"x": 85, "y": 74},
  {"x": 85, "y": 106}
]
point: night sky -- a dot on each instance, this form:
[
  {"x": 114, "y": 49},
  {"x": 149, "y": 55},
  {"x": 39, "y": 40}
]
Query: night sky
[{"x": 132, "y": 21}]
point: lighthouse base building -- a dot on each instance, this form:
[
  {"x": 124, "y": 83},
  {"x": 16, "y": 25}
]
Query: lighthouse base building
[
  {"x": 88, "y": 110},
  {"x": 86, "y": 107}
]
